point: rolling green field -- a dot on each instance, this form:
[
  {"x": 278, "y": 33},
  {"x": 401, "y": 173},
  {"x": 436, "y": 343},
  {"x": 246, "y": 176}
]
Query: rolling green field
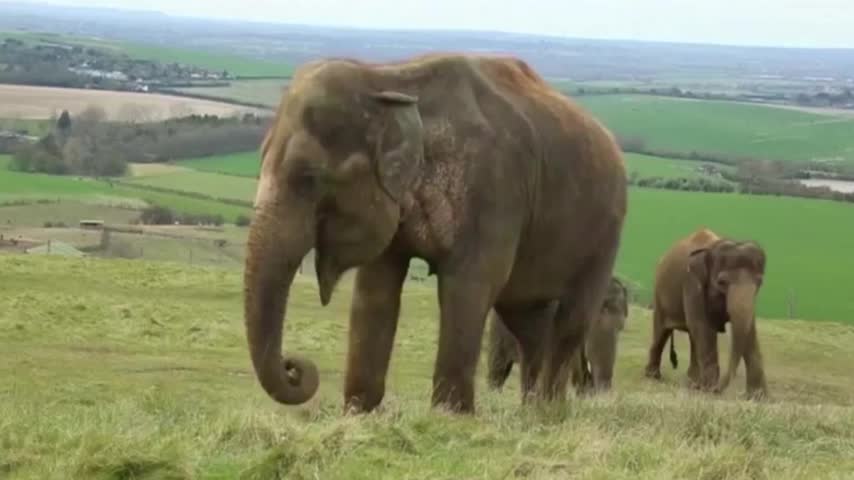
[
  {"x": 235, "y": 65},
  {"x": 650, "y": 166},
  {"x": 212, "y": 184},
  {"x": 805, "y": 278},
  {"x": 18, "y": 187},
  {"x": 727, "y": 128},
  {"x": 264, "y": 92},
  {"x": 246, "y": 164},
  {"x": 100, "y": 382}
]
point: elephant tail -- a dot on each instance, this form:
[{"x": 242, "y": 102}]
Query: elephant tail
[{"x": 673, "y": 359}]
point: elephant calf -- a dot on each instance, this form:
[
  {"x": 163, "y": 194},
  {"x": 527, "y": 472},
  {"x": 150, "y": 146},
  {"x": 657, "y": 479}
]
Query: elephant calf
[
  {"x": 600, "y": 348},
  {"x": 702, "y": 283}
]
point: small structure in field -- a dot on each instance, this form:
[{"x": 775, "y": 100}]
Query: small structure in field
[{"x": 92, "y": 224}]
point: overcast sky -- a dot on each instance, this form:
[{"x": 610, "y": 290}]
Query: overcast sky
[{"x": 828, "y": 23}]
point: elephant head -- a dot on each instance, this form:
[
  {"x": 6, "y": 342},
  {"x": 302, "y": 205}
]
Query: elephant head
[
  {"x": 343, "y": 149},
  {"x": 731, "y": 274}
]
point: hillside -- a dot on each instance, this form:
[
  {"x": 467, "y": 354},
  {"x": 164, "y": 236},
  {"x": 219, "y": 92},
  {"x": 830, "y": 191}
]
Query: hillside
[
  {"x": 33, "y": 103},
  {"x": 204, "y": 58},
  {"x": 142, "y": 389},
  {"x": 729, "y": 128},
  {"x": 25, "y": 188}
]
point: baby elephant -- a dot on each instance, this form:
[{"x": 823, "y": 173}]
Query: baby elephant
[{"x": 600, "y": 347}]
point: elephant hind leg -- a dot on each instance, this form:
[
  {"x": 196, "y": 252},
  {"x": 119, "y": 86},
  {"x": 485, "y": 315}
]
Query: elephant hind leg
[
  {"x": 529, "y": 326},
  {"x": 660, "y": 335},
  {"x": 502, "y": 352},
  {"x": 578, "y": 310}
]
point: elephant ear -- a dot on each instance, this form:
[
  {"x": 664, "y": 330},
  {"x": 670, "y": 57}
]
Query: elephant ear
[{"x": 400, "y": 145}]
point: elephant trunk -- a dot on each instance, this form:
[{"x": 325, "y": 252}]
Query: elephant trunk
[
  {"x": 275, "y": 251},
  {"x": 741, "y": 300}
]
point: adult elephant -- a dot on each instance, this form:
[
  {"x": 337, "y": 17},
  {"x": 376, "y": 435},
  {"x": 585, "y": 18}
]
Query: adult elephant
[
  {"x": 510, "y": 192},
  {"x": 592, "y": 366},
  {"x": 702, "y": 283}
]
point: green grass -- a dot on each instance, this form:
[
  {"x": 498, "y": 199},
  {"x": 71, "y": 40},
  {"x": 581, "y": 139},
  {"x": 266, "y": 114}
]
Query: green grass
[
  {"x": 727, "y": 128},
  {"x": 97, "y": 381},
  {"x": 16, "y": 187},
  {"x": 212, "y": 184},
  {"x": 68, "y": 212},
  {"x": 235, "y": 65},
  {"x": 264, "y": 92},
  {"x": 247, "y": 164},
  {"x": 651, "y": 166},
  {"x": 33, "y": 127},
  {"x": 214, "y": 61},
  {"x": 807, "y": 242}
]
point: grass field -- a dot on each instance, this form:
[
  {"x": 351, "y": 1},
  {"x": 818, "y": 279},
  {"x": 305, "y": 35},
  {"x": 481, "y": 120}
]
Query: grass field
[
  {"x": 97, "y": 381},
  {"x": 246, "y": 164},
  {"x": 651, "y": 166},
  {"x": 18, "y": 187},
  {"x": 33, "y": 127},
  {"x": 728, "y": 128},
  {"x": 805, "y": 279},
  {"x": 235, "y": 65},
  {"x": 29, "y": 102},
  {"x": 265, "y": 92},
  {"x": 212, "y": 184}
]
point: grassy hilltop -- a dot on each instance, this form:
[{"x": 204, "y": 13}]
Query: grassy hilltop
[
  {"x": 727, "y": 128},
  {"x": 99, "y": 382}
]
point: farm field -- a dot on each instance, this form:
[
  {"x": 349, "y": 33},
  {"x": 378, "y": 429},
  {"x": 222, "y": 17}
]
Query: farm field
[
  {"x": 726, "y": 128},
  {"x": 247, "y": 164},
  {"x": 164, "y": 389},
  {"x": 212, "y": 184},
  {"x": 265, "y": 92},
  {"x": 235, "y": 65},
  {"x": 805, "y": 278},
  {"x": 30, "y": 102},
  {"x": 651, "y": 166},
  {"x": 17, "y": 187}
]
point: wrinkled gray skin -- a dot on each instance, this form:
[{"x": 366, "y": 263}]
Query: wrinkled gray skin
[
  {"x": 512, "y": 194},
  {"x": 592, "y": 366}
]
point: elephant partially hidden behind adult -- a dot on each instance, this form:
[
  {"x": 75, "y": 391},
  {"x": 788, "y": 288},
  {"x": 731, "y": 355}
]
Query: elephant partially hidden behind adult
[
  {"x": 599, "y": 349},
  {"x": 702, "y": 282},
  {"x": 512, "y": 194}
]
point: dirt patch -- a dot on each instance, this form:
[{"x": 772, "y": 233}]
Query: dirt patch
[{"x": 29, "y": 102}]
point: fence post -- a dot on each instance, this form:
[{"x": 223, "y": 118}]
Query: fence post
[{"x": 791, "y": 302}]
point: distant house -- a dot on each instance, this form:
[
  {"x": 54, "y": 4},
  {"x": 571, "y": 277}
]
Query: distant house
[{"x": 92, "y": 224}]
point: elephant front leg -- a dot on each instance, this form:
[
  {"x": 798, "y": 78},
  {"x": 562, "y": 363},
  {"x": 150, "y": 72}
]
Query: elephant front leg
[
  {"x": 694, "y": 366},
  {"x": 464, "y": 303},
  {"x": 757, "y": 386},
  {"x": 373, "y": 322},
  {"x": 659, "y": 340}
]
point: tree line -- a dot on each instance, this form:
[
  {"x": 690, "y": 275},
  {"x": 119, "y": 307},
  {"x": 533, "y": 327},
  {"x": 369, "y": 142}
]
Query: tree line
[{"x": 88, "y": 144}]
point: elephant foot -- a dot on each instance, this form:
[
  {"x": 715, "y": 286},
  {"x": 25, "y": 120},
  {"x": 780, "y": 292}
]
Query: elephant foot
[
  {"x": 758, "y": 395},
  {"x": 653, "y": 372},
  {"x": 454, "y": 398}
]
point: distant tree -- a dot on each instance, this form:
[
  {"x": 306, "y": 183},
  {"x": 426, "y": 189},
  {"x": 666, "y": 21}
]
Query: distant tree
[
  {"x": 242, "y": 221},
  {"x": 64, "y": 122}
]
